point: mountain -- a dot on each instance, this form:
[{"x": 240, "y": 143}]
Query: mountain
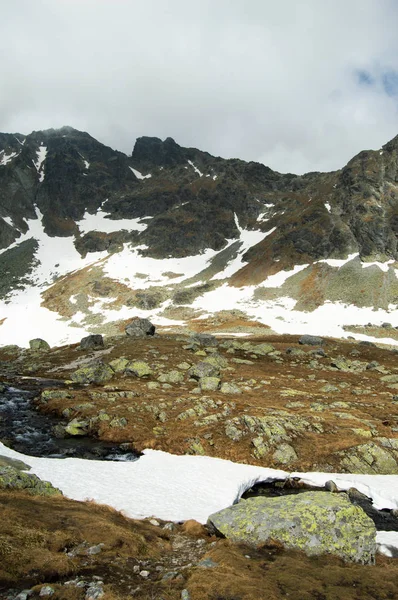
[{"x": 174, "y": 233}]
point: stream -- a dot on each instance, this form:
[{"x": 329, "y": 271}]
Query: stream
[{"x": 26, "y": 430}]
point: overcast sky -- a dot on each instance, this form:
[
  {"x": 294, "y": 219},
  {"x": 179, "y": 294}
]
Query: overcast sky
[{"x": 298, "y": 85}]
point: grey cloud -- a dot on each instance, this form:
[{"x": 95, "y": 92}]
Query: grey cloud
[{"x": 259, "y": 80}]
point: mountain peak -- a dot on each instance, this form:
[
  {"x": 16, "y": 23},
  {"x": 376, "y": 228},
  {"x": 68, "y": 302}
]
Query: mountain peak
[{"x": 151, "y": 150}]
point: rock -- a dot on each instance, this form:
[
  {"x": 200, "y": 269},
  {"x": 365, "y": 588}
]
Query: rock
[
  {"x": 13, "y": 479},
  {"x": 140, "y": 328},
  {"x": 171, "y": 377},
  {"x": 311, "y": 340},
  {"x": 204, "y": 339},
  {"x": 76, "y": 427},
  {"x": 389, "y": 378},
  {"x": 217, "y": 360},
  {"x": 95, "y": 591},
  {"x": 369, "y": 459},
  {"x": 97, "y": 372},
  {"x": 203, "y": 369},
  {"x": 185, "y": 595},
  {"x": 46, "y": 590},
  {"x": 119, "y": 364},
  {"x": 262, "y": 349},
  {"x": 39, "y": 344},
  {"x": 330, "y": 486},
  {"x": 230, "y": 388},
  {"x": 328, "y": 387},
  {"x": 314, "y": 522},
  {"x": 92, "y": 342},
  {"x": 209, "y": 384},
  {"x": 285, "y": 454},
  {"x": 261, "y": 448},
  {"x": 207, "y": 563},
  {"x": 139, "y": 368},
  {"x": 6, "y": 461},
  {"x": 118, "y": 423}
]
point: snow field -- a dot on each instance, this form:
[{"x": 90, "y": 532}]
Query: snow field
[{"x": 178, "y": 488}]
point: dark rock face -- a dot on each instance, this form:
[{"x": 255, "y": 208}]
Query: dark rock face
[
  {"x": 92, "y": 342},
  {"x": 140, "y": 328},
  {"x": 197, "y": 201}
]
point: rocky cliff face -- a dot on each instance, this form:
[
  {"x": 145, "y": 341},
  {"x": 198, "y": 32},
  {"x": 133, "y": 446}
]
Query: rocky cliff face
[{"x": 192, "y": 197}]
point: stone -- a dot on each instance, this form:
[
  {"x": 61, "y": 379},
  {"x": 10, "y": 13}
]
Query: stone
[
  {"x": 173, "y": 376},
  {"x": 140, "y": 328},
  {"x": 76, "y": 427},
  {"x": 13, "y": 479},
  {"x": 204, "y": 339},
  {"x": 6, "y": 461},
  {"x": 139, "y": 368},
  {"x": 217, "y": 360},
  {"x": 97, "y": 372},
  {"x": 230, "y": 388},
  {"x": 262, "y": 349},
  {"x": 285, "y": 454},
  {"x": 203, "y": 369},
  {"x": 46, "y": 590},
  {"x": 369, "y": 459},
  {"x": 209, "y": 384},
  {"x": 314, "y": 522},
  {"x": 330, "y": 486},
  {"x": 311, "y": 340},
  {"x": 39, "y": 344},
  {"x": 119, "y": 364},
  {"x": 92, "y": 342},
  {"x": 389, "y": 378},
  {"x": 261, "y": 448}
]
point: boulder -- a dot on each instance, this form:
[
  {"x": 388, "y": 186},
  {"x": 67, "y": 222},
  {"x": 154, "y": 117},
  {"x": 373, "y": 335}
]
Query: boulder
[
  {"x": 311, "y": 340},
  {"x": 209, "y": 384},
  {"x": 203, "y": 369},
  {"x": 139, "y": 368},
  {"x": 92, "y": 342},
  {"x": 6, "y": 461},
  {"x": 76, "y": 427},
  {"x": 39, "y": 344},
  {"x": 204, "y": 339},
  {"x": 314, "y": 522},
  {"x": 14, "y": 479},
  {"x": 230, "y": 388},
  {"x": 97, "y": 372},
  {"x": 140, "y": 328}
]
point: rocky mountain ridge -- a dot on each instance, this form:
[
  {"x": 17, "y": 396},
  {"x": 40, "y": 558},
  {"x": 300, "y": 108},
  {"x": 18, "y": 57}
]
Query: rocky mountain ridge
[{"x": 332, "y": 236}]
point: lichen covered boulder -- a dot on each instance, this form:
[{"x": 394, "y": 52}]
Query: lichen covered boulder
[
  {"x": 203, "y": 369},
  {"x": 139, "y": 368},
  {"x": 97, "y": 372},
  {"x": 39, "y": 344},
  {"x": 314, "y": 522},
  {"x": 14, "y": 479}
]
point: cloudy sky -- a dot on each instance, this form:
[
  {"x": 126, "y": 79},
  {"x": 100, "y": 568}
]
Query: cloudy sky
[{"x": 298, "y": 85}]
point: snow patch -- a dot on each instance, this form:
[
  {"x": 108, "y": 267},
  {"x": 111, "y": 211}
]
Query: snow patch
[
  {"x": 41, "y": 157},
  {"x": 101, "y": 222},
  {"x": 140, "y": 175},
  {"x": 6, "y": 158},
  {"x": 195, "y": 169},
  {"x": 178, "y": 488}
]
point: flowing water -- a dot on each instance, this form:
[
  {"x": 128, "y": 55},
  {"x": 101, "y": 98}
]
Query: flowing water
[{"x": 30, "y": 432}]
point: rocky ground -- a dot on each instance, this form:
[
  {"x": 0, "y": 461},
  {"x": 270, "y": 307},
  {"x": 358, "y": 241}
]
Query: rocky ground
[
  {"x": 267, "y": 401},
  {"x": 270, "y": 400}
]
